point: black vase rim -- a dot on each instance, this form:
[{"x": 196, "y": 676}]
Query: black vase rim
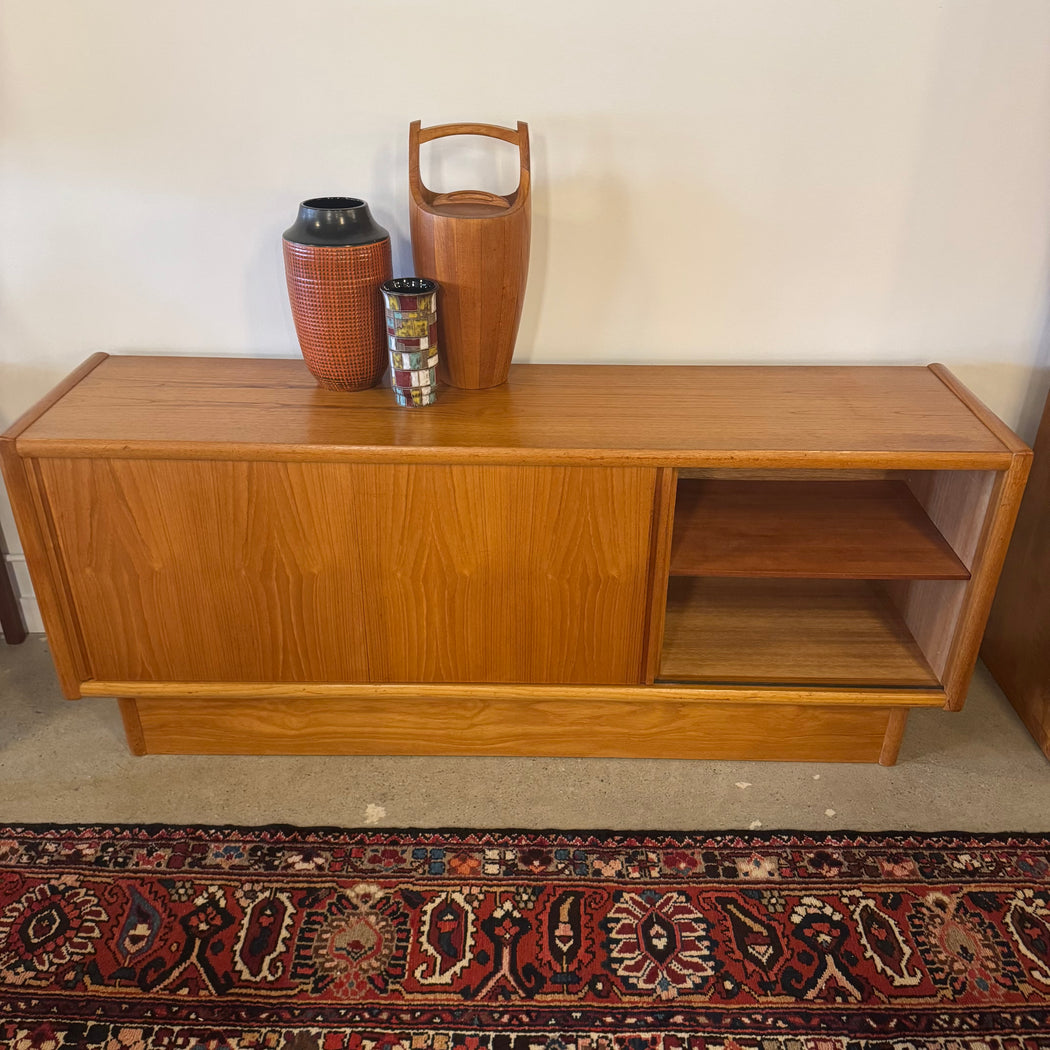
[
  {"x": 337, "y": 222},
  {"x": 333, "y": 203},
  {"x": 409, "y": 286}
]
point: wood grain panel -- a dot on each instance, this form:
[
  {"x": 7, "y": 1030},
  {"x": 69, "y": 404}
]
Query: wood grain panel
[
  {"x": 1017, "y": 641},
  {"x": 49, "y": 584},
  {"x": 663, "y": 527},
  {"x": 232, "y": 571},
  {"x": 647, "y": 729},
  {"x": 239, "y": 408},
  {"x": 508, "y": 574},
  {"x": 975, "y": 511},
  {"x": 318, "y": 572},
  {"x": 988, "y": 563},
  {"x": 787, "y": 631},
  {"x": 931, "y": 609},
  {"x": 814, "y": 695},
  {"x": 989, "y": 533},
  {"x": 744, "y": 473},
  {"x": 31, "y": 518},
  {"x": 807, "y": 529},
  {"x": 957, "y": 502}
]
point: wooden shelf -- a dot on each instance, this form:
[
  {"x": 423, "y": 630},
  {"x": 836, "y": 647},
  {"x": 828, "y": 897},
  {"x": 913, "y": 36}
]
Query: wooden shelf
[
  {"x": 874, "y": 530},
  {"x": 788, "y": 632}
]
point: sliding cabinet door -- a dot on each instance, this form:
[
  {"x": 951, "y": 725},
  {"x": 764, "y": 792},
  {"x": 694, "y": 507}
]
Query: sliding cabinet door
[{"x": 186, "y": 571}]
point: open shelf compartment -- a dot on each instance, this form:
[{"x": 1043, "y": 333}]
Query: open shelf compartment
[
  {"x": 870, "y": 529},
  {"x": 788, "y": 632}
]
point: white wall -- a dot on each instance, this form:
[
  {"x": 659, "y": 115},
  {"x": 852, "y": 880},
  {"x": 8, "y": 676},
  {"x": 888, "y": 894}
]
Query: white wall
[{"x": 745, "y": 180}]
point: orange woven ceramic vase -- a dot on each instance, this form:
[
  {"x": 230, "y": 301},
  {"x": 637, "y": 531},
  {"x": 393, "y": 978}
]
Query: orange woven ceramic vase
[
  {"x": 476, "y": 246},
  {"x": 335, "y": 258}
]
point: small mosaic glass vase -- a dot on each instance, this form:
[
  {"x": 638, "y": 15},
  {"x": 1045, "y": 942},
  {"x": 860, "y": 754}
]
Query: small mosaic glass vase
[{"x": 411, "y": 331}]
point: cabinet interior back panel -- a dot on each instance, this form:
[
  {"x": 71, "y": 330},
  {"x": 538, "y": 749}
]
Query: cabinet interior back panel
[{"x": 344, "y": 572}]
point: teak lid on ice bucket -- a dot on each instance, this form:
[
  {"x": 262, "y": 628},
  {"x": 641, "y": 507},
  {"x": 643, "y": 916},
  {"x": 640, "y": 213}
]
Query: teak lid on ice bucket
[{"x": 476, "y": 246}]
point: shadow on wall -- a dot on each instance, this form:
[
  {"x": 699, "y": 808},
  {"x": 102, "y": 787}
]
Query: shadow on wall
[
  {"x": 22, "y": 385},
  {"x": 539, "y": 248},
  {"x": 267, "y": 313},
  {"x": 1015, "y": 392},
  {"x": 1031, "y": 411},
  {"x": 592, "y": 260},
  {"x": 958, "y": 280},
  {"x": 390, "y": 203},
  {"x": 622, "y": 275}
]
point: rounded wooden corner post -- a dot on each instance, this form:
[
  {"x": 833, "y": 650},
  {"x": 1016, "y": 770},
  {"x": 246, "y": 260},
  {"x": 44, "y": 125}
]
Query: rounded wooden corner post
[
  {"x": 891, "y": 743},
  {"x": 979, "y": 409},
  {"x": 32, "y": 519},
  {"x": 133, "y": 732},
  {"x": 992, "y": 554}
]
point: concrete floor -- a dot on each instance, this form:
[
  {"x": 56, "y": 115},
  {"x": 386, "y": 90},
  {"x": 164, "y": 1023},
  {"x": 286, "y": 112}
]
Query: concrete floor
[{"x": 63, "y": 762}]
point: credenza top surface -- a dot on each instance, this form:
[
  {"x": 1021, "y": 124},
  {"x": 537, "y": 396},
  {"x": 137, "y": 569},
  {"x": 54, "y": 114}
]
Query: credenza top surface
[{"x": 197, "y": 407}]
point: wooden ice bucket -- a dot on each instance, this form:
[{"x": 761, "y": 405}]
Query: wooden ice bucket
[{"x": 476, "y": 246}]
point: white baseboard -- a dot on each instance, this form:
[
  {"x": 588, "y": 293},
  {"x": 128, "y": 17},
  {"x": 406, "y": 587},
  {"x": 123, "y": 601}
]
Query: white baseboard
[
  {"x": 24, "y": 593},
  {"x": 31, "y": 615}
]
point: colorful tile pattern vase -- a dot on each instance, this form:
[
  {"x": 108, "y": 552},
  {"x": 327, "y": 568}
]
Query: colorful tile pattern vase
[{"x": 411, "y": 332}]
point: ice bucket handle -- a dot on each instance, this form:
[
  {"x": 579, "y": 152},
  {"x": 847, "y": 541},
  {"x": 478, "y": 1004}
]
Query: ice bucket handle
[{"x": 417, "y": 136}]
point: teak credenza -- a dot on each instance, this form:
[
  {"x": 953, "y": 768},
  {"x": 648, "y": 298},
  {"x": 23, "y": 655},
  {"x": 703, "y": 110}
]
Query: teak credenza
[{"x": 709, "y": 562}]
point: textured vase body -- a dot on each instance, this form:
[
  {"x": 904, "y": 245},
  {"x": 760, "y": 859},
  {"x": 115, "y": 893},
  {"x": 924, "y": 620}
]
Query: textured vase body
[
  {"x": 335, "y": 258},
  {"x": 476, "y": 246}
]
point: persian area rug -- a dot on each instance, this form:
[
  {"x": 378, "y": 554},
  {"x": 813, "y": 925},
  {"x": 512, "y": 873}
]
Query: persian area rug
[{"x": 128, "y": 938}]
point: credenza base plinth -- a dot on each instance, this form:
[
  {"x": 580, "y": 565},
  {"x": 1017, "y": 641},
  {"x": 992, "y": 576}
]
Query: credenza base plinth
[{"x": 568, "y": 728}]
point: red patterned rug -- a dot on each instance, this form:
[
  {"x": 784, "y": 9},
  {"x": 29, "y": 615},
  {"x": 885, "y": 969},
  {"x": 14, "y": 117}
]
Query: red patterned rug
[{"x": 128, "y": 938}]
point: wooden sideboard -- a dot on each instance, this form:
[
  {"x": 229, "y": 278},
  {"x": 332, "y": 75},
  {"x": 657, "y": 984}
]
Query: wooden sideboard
[
  {"x": 709, "y": 562},
  {"x": 1017, "y": 643}
]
